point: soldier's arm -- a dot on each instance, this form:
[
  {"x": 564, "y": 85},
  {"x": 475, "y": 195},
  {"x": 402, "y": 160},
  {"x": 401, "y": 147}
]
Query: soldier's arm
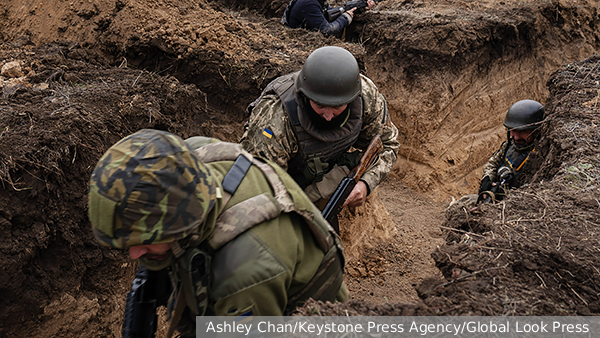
[
  {"x": 376, "y": 120},
  {"x": 490, "y": 169},
  {"x": 269, "y": 132}
]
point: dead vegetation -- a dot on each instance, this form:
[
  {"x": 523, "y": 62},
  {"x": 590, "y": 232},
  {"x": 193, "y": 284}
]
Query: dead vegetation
[
  {"x": 536, "y": 252},
  {"x": 449, "y": 69},
  {"x": 537, "y": 249}
]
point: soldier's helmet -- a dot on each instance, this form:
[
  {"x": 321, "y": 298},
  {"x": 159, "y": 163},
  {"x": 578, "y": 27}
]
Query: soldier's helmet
[
  {"x": 149, "y": 188},
  {"x": 330, "y": 77},
  {"x": 524, "y": 114}
]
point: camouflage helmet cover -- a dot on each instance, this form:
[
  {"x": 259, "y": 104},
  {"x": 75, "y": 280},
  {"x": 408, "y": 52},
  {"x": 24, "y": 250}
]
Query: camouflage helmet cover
[
  {"x": 524, "y": 114},
  {"x": 149, "y": 188},
  {"x": 330, "y": 77}
]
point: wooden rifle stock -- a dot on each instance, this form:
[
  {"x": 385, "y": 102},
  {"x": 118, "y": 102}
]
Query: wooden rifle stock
[{"x": 335, "y": 203}]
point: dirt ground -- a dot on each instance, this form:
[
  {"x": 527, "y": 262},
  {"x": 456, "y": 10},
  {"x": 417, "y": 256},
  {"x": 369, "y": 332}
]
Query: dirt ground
[{"x": 77, "y": 76}]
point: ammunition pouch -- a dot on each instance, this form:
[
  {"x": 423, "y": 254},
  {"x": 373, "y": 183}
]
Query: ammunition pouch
[
  {"x": 315, "y": 168},
  {"x": 349, "y": 159},
  {"x": 193, "y": 274}
]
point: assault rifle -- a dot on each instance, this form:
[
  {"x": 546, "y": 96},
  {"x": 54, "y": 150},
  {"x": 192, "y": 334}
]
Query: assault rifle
[
  {"x": 335, "y": 203},
  {"x": 149, "y": 290},
  {"x": 496, "y": 193},
  {"x": 360, "y": 5}
]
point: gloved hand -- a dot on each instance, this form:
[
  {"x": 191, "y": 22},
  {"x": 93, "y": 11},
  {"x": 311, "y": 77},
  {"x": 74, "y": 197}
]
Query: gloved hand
[{"x": 485, "y": 185}]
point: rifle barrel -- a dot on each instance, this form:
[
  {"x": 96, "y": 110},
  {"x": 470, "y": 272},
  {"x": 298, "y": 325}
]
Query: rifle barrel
[{"x": 334, "y": 205}]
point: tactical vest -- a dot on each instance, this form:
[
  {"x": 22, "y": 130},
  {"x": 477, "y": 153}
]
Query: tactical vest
[
  {"x": 235, "y": 220},
  {"x": 318, "y": 149},
  {"x": 515, "y": 160}
]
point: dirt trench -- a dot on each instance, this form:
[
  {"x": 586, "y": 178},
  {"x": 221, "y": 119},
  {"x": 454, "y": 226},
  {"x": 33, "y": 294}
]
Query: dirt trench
[{"x": 93, "y": 72}]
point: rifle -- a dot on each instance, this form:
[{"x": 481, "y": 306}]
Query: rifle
[
  {"x": 334, "y": 13},
  {"x": 149, "y": 290},
  {"x": 496, "y": 193},
  {"x": 334, "y": 205}
]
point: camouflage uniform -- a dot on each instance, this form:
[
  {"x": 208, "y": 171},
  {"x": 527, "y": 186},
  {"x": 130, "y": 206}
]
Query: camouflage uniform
[
  {"x": 510, "y": 157},
  {"x": 506, "y": 156},
  {"x": 271, "y": 133},
  {"x": 266, "y": 265},
  {"x": 490, "y": 169},
  {"x": 151, "y": 187}
]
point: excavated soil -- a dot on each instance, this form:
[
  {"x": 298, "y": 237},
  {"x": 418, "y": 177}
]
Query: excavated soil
[{"x": 79, "y": 75}]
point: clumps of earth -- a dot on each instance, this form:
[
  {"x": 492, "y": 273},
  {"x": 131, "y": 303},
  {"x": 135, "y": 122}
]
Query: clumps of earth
[{"x": 78, "y": 76}]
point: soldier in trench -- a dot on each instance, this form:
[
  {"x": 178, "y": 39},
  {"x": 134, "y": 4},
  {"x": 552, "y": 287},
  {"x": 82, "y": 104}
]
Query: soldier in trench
[
  {"x": 503, "y": 169},
  {"x": 311, "y": 14},
  {"x": 308, "y": 121},
  {"x": 234, "y": 234}
]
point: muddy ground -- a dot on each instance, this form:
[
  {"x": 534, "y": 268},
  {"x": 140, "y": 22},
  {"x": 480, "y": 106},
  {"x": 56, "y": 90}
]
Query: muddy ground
[{"x": 88, "y": 73}]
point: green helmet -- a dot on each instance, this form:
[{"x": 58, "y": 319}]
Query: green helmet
[
  {"x": 524, "y": 114},
  {"x": 330, "y": 77},
  {"x": 149, "y": 188}
]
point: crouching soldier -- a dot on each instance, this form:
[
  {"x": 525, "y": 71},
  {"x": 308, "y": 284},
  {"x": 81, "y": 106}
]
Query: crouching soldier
[
  {"x": 233, "y": 233},
  {"x": 318, "y": 121},
  {"x": 503, "y": 170}
]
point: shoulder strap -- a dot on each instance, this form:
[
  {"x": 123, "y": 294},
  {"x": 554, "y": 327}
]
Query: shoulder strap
[
  {"x": 245, "y": 215},
  {"x": 236, "y": 174},
  {"x": 241, "y": 217},
  {"x": 288, "y": 97}
]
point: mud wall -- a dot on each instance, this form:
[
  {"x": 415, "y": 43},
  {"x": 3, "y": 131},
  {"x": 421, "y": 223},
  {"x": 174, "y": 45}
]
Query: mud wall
[
  {"x": 450, "y": 77},
  {"x": 449, "y": 73},
  {"x": 449, "y": 69}
]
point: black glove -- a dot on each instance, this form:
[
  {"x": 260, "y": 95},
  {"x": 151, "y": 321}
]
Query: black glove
[
  {"x": 486, "y": 185},
  {"x": 500, "y": 193}
]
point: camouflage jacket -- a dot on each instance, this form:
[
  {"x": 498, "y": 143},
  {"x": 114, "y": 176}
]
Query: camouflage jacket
[
  {"x": 507, "y": 156},
  {"x": 271, "y": 134},
  {"x": 263, "y": 269}
]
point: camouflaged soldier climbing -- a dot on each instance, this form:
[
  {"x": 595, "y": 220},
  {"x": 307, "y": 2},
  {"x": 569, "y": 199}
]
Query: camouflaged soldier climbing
[
  {"x": 171, "y": 201},
  {"x": 307, "y": 122}
]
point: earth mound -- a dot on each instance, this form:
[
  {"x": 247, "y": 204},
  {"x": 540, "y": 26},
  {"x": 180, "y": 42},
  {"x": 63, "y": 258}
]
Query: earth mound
[
  {"x": 78, "y": 76},
  {"x": 535, "y": 253}
]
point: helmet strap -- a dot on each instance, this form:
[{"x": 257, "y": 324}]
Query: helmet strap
[
  {"x": 176, "y": 249},
  {"x": 301, "y": 99},
  {"x": 179, "y": 247}
]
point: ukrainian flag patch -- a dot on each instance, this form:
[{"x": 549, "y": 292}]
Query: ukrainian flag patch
[{"x": 267, "y": 133}]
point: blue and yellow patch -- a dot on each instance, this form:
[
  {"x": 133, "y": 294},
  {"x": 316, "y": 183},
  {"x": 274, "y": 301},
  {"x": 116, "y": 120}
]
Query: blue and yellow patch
[
  {"x": 244, "y": 317},
  {"x": 267, "y": 133}
]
